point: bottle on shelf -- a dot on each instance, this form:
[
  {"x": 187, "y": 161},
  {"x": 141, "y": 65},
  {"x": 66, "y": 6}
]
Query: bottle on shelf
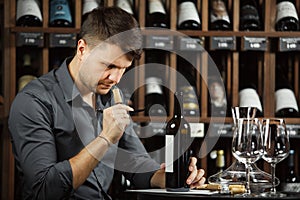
[
  {"x": 88, "y": 6},
  {"x": 217, "y": 78},
  {"x": 188, "y": 17},
  {"x": 155, "y": 99},
  {"x": 178, "y": 142},
  {"x": 291, "y": 182},
  {"x": 219, "y": 18},
  {"x": 157, "y": 15},
  {"x": 29, "y": 13},
  {"x": 28, "y": 73},
  {"x": 125, "y": 5},
  {"x": 186, "y": 82},
  {"x": 60, "y": 14},
  {"x": 220, "y": 161},
  {"x": 248, "y": 96},
  {"x": 249, "y": 16},
  {"x": 286, "y": 16},
  {"x": 218, "y": 99},
  {"x": 285, "y": 100}
]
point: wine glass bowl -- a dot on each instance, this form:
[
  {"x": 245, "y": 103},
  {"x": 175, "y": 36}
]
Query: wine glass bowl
[
  {"x": 276, "y": 147},
  {"x": 247, "y": 145}
]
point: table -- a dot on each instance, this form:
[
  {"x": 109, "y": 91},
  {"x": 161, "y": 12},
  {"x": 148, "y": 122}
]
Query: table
[{"x": 161, "y": 194}]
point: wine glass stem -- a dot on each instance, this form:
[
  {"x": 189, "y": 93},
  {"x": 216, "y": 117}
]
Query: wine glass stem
[
  {"x": 273, "y": 167},
  {"x": 248, "y": 169}
]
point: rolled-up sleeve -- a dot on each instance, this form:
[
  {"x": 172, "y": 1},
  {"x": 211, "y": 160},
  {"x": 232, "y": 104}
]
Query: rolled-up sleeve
[{"x": 34, "y": 146}]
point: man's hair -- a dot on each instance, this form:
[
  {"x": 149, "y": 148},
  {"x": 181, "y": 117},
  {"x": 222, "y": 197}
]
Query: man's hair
[{"x": 115, "y": 26}]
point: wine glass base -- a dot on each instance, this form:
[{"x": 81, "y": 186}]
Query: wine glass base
[{"x": 273, "y": 194}]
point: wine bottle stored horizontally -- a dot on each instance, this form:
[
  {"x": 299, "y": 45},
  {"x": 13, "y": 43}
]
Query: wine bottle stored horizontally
[
  {"x": 178, "y": 151},
  {"x": 28, "y": 72},
  {"x": 155, "y": 104},
  {"x": 125, "y": 5},
  {"x": 29, "y": 13},
  {"x": 285, "y": 100},
  {"x": 249, "y": 16},
  {"x": 157, "y": 15},
  {"x": 218, "y": 99},
  {"x": 292, "y": 177},
  {"x": 286, "y": 16},
  {"x": 219, "y": 18},
  {"x": 60, "y": 14},
  {"x": 186, "y": 82},
  {"x": 188, "y": 17},
  {"x": 248, "y": 84}
]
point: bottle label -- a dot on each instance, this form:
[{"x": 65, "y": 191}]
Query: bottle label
[
  {"x": 285, "y": 9},
  {"x": 60, "y": 10},
  {"x": 153, "y": 86},
  {"x": 285, "y": 98},
  {"x": 188, "y": 11},
  {"x": 219, "y": 12},
  {"x": 249, "y": 98},
  {"x": 125, "y": 5},
  {"x": 156, "y": 6},
  {"x": 89, "y": 5},
  {"x": 28, "y": 7},
  {"x": 169, "y": 151}
]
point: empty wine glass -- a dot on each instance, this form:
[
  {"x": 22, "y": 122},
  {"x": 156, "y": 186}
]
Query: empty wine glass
[
  {"x": 276, "y": 147},
  {"x": 247, "y": 145}
]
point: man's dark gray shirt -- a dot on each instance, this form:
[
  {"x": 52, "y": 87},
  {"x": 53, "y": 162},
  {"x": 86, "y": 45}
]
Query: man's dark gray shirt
[{"x": 50, "y": 123}]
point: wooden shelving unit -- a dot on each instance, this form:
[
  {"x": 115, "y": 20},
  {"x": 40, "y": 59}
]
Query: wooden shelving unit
[{"x": 266, "y": 65}]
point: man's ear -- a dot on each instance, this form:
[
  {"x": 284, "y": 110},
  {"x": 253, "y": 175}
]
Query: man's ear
[{"x": 81, "y": 48}]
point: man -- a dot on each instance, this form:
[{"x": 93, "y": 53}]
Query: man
[{"x": 67, "y": 132}]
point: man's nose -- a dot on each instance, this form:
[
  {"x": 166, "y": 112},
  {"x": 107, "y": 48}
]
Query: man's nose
[{"x": 116, "y": 74}]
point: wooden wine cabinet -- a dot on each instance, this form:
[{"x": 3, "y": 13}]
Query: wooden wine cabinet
[{"x": 266, "y": 65}]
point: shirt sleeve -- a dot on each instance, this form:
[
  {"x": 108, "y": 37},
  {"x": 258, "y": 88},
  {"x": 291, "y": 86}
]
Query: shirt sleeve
[
  {"x": 33, "y": 141},
  {"x": 134, "y": 161}
]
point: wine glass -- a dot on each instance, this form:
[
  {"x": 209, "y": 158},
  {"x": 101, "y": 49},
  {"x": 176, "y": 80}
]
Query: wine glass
[
  {"x": 247, "y": 145},
  {"x": 276, "y": 147}
]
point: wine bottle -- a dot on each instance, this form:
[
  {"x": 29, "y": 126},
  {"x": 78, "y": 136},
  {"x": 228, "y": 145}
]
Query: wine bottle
[
  {"x": 29, "y": 13},
  {"x": 188, "y": 17},
  {"x": 249, "y": 16},
  {"x": 157, "y": 15},
  {"x": 125, "y": 5},
  {"x": 60, "y": 13},
  {"x": 154, "y": 100},
  {"x": 186, "y": 82},
  {"x": 220, "y": 161},
  {"x": 248, "y": 96},
  {"x": 88, "y": 6},
  {"x": 285, "y": 100},
  {"x": 178, "y": 150},
  {"x": 292, "y": 177},
  {"x": 219, "y": 18},
  {"x": 218, "y": 100},
  {"x": 286, "y": 16},
  {"x": 28, "y": 73}
]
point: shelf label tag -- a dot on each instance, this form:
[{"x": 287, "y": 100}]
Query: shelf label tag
[
  {"x": 164, "y": 42},
  {"x": 197, "y": 129},
  {"x": 289, "y": 44},
  {"x": 30, "y": 39},
  {"x": 190, "y": 44},
  {"x": 62, "y": 40},
  {"x": 223, "y": 43},
  {"x": 254, "y": 43}
]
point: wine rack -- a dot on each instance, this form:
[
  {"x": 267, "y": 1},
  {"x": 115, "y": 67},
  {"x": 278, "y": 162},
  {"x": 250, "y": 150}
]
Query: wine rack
[{"x": 232, "y": 47}]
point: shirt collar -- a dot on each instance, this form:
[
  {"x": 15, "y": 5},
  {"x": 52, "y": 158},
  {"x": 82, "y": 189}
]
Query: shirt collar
[
  {"x": 70, "y": 90},
  {"x": 66, "y": 82}
]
